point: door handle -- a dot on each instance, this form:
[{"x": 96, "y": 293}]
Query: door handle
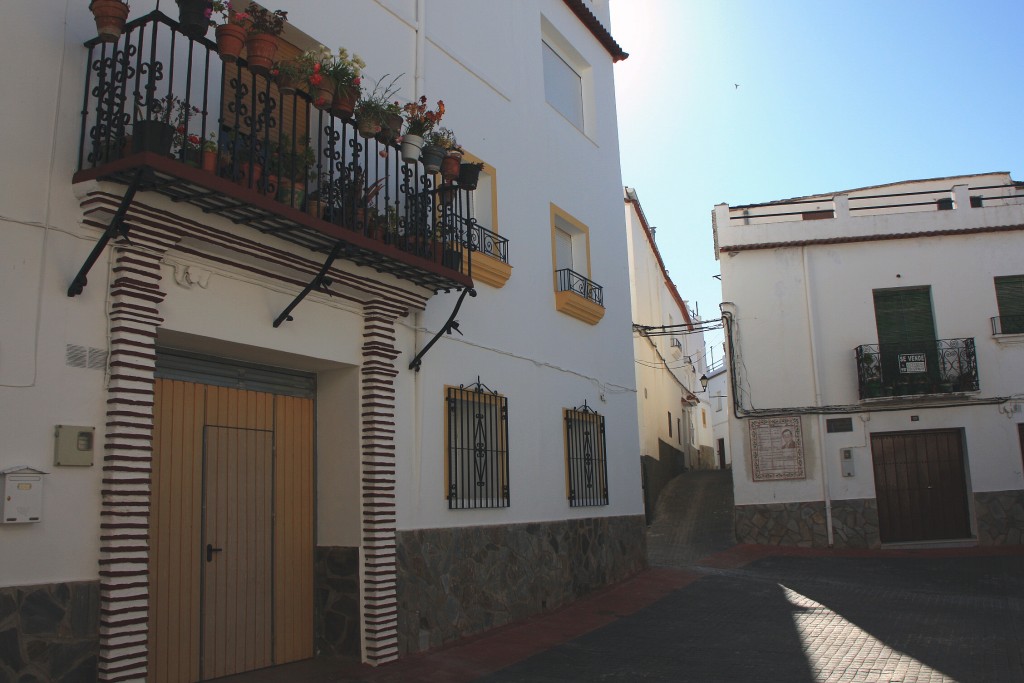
[{"x": 210, "y": 550}]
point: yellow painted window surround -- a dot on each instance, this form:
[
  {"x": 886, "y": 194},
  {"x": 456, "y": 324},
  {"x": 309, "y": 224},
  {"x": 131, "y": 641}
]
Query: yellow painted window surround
[{"x": 570, "y": 248}]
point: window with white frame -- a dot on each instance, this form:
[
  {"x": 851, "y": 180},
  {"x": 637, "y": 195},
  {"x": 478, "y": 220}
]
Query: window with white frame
[{"x": 567, "y": 78}]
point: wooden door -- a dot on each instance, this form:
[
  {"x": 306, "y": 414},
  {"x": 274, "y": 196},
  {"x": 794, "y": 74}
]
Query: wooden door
[
  {"x": 237, "y": 619},
  {"x": 232, "y": 469},
  {"x": 921, "y": 485}
]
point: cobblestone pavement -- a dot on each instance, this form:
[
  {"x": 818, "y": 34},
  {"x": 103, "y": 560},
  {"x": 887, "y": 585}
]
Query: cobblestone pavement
[
  {"x": 693, "y": 519},
  {"x": 746, "y": 614}
]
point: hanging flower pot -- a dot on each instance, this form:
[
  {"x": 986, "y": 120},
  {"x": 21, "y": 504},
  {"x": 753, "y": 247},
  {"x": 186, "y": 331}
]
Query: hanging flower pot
[
  {"x": 368, "y": 127},
  {"x": 194, "y": 17},
  {"x": 286, "y": 82},
  {"x": 110, "y": 16},
  {"x": 345, "y": 97},
  {"x": 230, "y": 41},
  {"x": 323, "y": 94},
  {"x": 260, "y": 50},
  {"x": 411, "y": 147},
  {"x": 390, "y": 128},
  {"x": 431, "y": 157},
  {"x": 469, "y": 175},
  {"x": 450, "y": 166}
]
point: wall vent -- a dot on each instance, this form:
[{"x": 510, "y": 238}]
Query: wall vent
[{"x": 77, "y": 356}]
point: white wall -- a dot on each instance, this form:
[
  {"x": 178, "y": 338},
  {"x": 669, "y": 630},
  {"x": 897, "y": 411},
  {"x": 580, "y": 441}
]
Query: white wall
[{"x": 486, "y": 65}]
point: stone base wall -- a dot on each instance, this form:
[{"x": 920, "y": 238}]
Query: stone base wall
[
  {"x": 855, "y": 523},
  {"x": 799, "y": 524},
  {"x": 50, "y": 632},
  {"x": 460, "y": 581},
  {"x": 336, "y": 591},
  {"x": 1000, "y": 516}
]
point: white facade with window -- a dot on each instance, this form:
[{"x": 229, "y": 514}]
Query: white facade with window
[
  {"x": 877, "y": 325},
  {"x": 371, "y": 432}
]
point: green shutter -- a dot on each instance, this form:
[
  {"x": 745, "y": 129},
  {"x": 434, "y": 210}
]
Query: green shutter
[
  {"x": 1010, "y": 295},
  {"x": 903, "y": 315}
]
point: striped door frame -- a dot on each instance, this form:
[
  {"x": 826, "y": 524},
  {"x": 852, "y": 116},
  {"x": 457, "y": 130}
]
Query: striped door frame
[{"x": 135, "y": 295}]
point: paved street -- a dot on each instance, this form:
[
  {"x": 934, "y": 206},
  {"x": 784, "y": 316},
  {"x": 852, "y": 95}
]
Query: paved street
[{"x": 747, "y": 613}]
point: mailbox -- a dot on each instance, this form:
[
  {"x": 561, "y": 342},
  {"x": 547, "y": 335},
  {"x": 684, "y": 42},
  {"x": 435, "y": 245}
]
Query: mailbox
[{"x": 22, "y": 500}]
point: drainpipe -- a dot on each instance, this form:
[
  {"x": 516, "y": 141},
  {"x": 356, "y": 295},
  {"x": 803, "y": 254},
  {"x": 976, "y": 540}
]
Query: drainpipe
[
  {"x": 421, "y": 46},
  {"x": 825, "y": 492}
]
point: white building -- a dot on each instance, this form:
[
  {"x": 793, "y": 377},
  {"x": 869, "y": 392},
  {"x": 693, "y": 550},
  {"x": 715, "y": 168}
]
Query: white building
[
  {"x": 721, "y": 408},
  {"x": 668, "y": 345},
  {"x": 875, "y": 352},
  {"x": 225, "y": 455}
]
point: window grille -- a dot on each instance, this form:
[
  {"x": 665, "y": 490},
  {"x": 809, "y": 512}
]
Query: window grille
[
  {"x": 586, "y": 460},
  {"x": 477, "y": 446}
]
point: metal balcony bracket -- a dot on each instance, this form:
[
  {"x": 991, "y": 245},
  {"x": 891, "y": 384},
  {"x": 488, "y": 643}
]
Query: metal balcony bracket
[
  {"x": 116, "y": 227},
  {"x": 320, "y": 281},
  {"x": 447, "y": 328}
]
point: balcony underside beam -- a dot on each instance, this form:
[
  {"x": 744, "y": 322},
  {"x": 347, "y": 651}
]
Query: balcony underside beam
[
  {"x": 116, "y": 227},
  {"x": 321, "y": 282},
  {"x": 447, "y": 328}
]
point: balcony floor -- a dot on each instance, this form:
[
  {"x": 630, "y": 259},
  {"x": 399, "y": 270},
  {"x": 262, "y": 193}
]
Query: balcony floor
[{"x": 221, "y": 197}]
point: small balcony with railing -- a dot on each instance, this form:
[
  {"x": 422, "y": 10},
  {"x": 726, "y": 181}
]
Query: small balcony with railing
[
  {"x": 916, "y": 368},
  {"x": 578, "y": 296},
  {"x": 162, "y": 113}
]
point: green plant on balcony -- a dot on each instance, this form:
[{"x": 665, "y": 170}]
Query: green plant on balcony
[
  {"x": 345, "y": 71},
  {"x": 372, "y": 109},
  {"x": 289, "y": 168}
]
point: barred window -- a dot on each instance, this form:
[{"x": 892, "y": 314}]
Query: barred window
[
  {"x": 586, "y": 464},
  {"x": 476, "y": 442}
]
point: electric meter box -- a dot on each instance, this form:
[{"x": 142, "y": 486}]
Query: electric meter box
[
  {"x": 73, "y": 446},
  {"x": 22, "y": 500}
]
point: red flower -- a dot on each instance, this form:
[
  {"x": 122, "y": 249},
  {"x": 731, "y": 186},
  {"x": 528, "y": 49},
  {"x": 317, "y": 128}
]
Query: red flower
[
  {"x": 356, "y": 80},
  {"x": 194, "y": 139},
  {"x": 316, "y": 79}
]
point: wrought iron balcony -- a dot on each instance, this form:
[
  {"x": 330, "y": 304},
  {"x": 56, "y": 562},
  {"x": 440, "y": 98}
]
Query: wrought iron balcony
[
  {"x": 163, "y": 113},
  {"x": 1008, "y": 324},
  {"x": 571, "y": 281},
  {"x": 941, "y": 366}
]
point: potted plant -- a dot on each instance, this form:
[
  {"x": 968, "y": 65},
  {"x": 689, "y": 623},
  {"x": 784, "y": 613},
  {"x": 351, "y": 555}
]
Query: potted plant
[
  {"x": 469, "y": 175},
  {"x": 292, "y": 164},
  {"x": 262, "y": 29},
  {"x": 110, "y": 16},
  {"x": 194, "y": 17},
  {"x": 315, "y": 65},
  {"x": 345, "y": 72},
  {"x": 419, "y": 121},
  {"x": 391, "y": 127},
  {"x": 290, "y": 74},
  {"x": 210, "y": 154},
  {"x": 164, "y": 128},
  {"x": 436, "y": 147},
  {"x": 231, "y": 31},
  {"x": 371, "y": 110}
]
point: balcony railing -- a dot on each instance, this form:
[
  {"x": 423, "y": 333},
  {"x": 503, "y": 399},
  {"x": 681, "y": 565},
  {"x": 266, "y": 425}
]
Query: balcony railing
[
  {"x": 1008, "y": 324},
  {"x": 163, "y": 111},
  {"x": 489, "y": 243},
  {"x": 571, "y": 281},
  {"x": 940, "y": 366}
]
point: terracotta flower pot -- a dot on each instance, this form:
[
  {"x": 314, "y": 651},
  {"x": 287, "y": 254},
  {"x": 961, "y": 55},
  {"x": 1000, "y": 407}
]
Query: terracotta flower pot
[
  {"x": 230, "y": 41},
  {"x": 450, "y": 167},
  {"x": 260, "y": 50},
  {"x": 110, "y": 16},
  {"x": 323, "y": 95},
  {"x": 344, "y": 101},
  {"x": 209, "y": 161},
  {"x": 368, "y": 127}
]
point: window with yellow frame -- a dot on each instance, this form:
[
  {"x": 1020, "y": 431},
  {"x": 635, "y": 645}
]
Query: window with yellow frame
[
  {"x": 476, "y": 448},
  {"x": 576, "y": 294},
  {"x": 586, "y": 462}
]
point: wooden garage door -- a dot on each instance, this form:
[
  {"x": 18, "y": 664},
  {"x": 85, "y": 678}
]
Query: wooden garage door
[
  {"x": 921, "y": 485},
  {"x": 231, "y": 531}
]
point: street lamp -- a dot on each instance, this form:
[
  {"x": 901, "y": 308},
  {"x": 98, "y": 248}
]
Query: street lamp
[{"x": 703, "y": 383}]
